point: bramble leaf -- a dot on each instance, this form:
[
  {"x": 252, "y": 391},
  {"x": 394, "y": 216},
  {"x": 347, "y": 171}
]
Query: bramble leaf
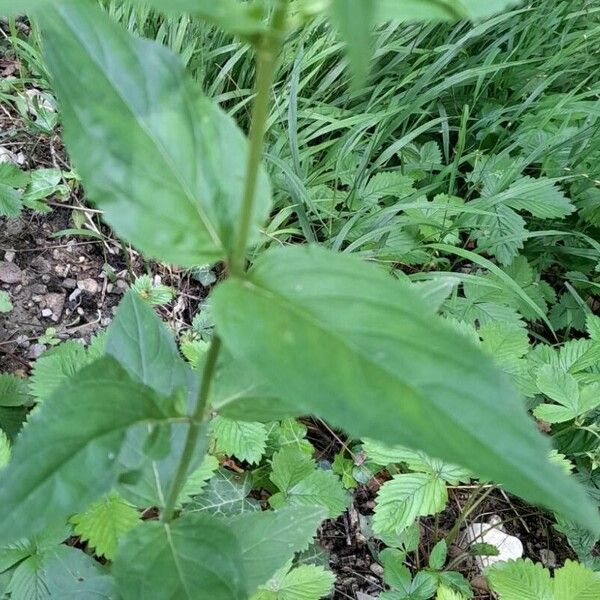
[
  {"x": 13, "y": 390},
  {"x": 406, "y": 497},
  {"x": 289, "y": 466},
  {"x": 320, "y": 488},
  {"x": 55, "y": 367},
  {"x": 66, "y": 457},
  {"x": 226, "y": 494},
  {"x": 242, "y": 439},
  {"x": 104, "y": 523},
  {"x": 269, "y": 539},
  {"x": 524, "y": 580}
]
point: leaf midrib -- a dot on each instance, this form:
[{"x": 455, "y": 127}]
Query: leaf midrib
[{"x": 187, "y": 193}]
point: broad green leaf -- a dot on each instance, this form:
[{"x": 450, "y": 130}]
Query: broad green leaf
[
  {"x": 231, "y": 15},
  {"x": 504, "y": 342},
  {"x": 5, "y": 449},
  {"x": 437, "y": 557},
  {"x": 446, "y": 593},
  {"x": 138, "y": 130},
  {"x": 104, "y": 523},
  {"x": 320, "y": 488},
  {"x": 66, "y": 457},
  {"x": 60, "y": 572},
  {"x": 399, "y": 578},
  {"x": 12, "y": 176},
  {"x": 269, "y": 539},
  {"x": 289, "y": 466},
  {"x": 226, "y": 494},
  {"x": 152, "y": 293},
  {"x": 576, "y": 582},
  {"x": 13, "y": 390},
  {"x": 195, "y": 556},
  {"x": 558, "y": 385},
  {"x": 239, "y": 393},
  {"x": 440, "y": 10},
  {"x": 242, "y": 439},
  {"x": 524, "y": 580},
  {"x": 406, "y": 497},
  {"x": 416, "y": 461},
  {"x": 144, "y": 346},
  {"x": 354, "y": 19},
  {"x": 564, "y": 389},
  {"x": 11, "y": 420},
  {"x": 520, "y": 580},
  {"x": 306, "y": 582},
  {"x": 539, "y": 196},
  {"x": 341, "y": 339},
  {"x": 592, "y": 324},
  {"x": 6, "y": 305},
  {"x": 344, "y": 467},
  {"x": 10, "y": 201},
  {"x": 289, "y": 432}
]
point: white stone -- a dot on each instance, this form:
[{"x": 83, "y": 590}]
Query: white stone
[{"x": 491, "y": 532}]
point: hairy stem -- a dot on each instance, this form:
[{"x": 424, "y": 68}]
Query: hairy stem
[
  {"x": 267, "y": 54},
  {"x": 194, "y": 430}
]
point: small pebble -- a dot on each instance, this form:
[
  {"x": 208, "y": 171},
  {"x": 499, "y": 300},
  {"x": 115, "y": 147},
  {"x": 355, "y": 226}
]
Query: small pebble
[
  {"x": 9, "y": 256},
  {"x": 74, "y": 295},
  {"x": 40, "y": 264},
  {"x": 548, "y": 558},
  {"x": 56, "y": 303},
  {"x": 90, "y": 286},
  {"x": 69, "y": 284},
  {"x": 36, "y": 350},
  {"x": 9, "y": 272},
  {"x": 46, "y": 312}
]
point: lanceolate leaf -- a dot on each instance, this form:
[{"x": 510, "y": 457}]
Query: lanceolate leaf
[
  {"x": 234, "y": 16},
  {"x": 440, "y": 10},
  {"x": 341, "y": 339},
  {"x": 141, "y": 342},
  {"x": 269, "y": 539},
  {"x": 66, "y": 457},
  {"x": 354, "y": 20},
  {"x": 164, "y": 164},
  {"x": 196, "y": 556}
]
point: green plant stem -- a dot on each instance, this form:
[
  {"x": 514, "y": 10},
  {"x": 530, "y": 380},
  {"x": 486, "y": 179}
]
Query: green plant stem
[
  {"x": 474, "y": 501},
  {"x": 267, "y": 55},
  {"x": 194, "y": 430}
]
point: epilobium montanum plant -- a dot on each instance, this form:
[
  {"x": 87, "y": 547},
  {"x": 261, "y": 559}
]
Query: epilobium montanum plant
[{"x": 303, "y": 331}]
